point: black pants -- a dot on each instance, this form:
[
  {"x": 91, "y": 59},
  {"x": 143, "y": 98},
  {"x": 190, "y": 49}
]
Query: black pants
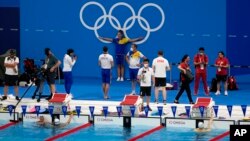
[{"x": 184, "y": 86}]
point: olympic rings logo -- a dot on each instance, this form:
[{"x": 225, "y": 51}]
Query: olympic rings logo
[{"x": 118, "y": 25}]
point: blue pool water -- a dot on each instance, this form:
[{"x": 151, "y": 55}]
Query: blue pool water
[
  {"x": 30, "y": 132},
  {"x": 183, "y": 134},
  {"x": 106, "y": 133}
]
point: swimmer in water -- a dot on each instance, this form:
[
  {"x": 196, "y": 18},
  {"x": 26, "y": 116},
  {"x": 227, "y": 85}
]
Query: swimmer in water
[
  {"x": 56, "y": 123},
  {"x": 201, "y": 127}
]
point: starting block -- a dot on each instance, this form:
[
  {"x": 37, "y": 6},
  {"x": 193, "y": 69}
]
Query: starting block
[
  {"x": 131, "y": 100},
  {"x": 208, "y": 104},
  {"x": 58, "y": 100}
]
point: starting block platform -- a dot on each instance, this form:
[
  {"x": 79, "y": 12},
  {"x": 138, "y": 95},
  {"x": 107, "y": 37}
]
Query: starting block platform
[
  {"x": 206, "y": 103},
  {"x": 58, "y": 100},
  {"x": 131, "y": 100}
]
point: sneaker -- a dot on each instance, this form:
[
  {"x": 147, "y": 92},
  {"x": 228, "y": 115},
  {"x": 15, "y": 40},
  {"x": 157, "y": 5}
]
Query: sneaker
[
  {"x": 164, "y": 102},
  {"x": 4, "y": 97},
  {"x": 226, "y": 93},
  {"x": 17, "y": 98},
  {"x": 156, "y": 101},
  {"x": 118, "y": 79},
  {"x": 48, "y": 98},
  {"x": 176, "y": 101},
  {"x": 217, "y": 93},
  {"x": 191, "y": 102},
  {"x": 71, "y": 95},
  {"x": 122, "y": 79},
  {"x": 133, "y": 92}
]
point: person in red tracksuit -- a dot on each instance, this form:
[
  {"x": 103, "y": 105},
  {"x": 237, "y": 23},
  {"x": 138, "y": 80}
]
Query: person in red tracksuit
[
  {"x": 200, "y": 63},
  {"x": 222, "y": 65}
]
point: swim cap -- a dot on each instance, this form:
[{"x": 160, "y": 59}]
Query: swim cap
[
  {"x": 56, "y": 121},
  {"x": 201, "y": 125}
]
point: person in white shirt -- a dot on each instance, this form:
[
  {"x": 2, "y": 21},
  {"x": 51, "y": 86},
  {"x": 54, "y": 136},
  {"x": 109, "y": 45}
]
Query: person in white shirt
[
  {"x": 11, "y": 73},
  {"x": 106, "y": 62},
  {"x": 146, "y": 77},
  {"x": 160, "y": 66},
  {"x": 69, "y": 61},
  {"x": 133, "y": 58}
]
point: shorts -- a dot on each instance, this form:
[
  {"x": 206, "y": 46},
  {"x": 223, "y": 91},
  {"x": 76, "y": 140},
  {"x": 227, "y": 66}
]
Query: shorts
[
  {"x": 145, "y": 91},
  {"x": 222, "y": 78},
  {"x": 50, "y": 77},
  {"x": 120, "y": 59},
  {"x": 133, "y": 73},
  {"x": 11, "y": 80},
  {"x": 106, "y": 76},
  {"x": 160, "y": 82}
]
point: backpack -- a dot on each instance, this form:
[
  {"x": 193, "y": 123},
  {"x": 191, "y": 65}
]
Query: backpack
[
  {"x": 213, "y": 87},
  {"x": 232, "y": 85}
]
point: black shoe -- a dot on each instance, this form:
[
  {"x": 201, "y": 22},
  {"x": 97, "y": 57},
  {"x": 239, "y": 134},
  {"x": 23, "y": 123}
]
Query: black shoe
[
  {"x": 149, "y": 109},
  {"x": 156, "y": 101},
  {"x": 17, "y": 98},
  {"x": 4, "y": 97},
  {"x": 164, "y": 102},
  {"x": 176, "y": 101},
  {"x": 48, "y": 98},
  {"x": 191, "y": 102}
]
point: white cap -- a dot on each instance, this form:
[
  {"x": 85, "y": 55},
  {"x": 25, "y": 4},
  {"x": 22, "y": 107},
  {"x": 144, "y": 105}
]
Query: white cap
[
  {"x": 201, "y": 125},
  {"x": 56, "y": 121}
]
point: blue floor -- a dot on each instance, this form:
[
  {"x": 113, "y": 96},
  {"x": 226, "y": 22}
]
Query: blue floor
[{"x": 90, "y": 89}]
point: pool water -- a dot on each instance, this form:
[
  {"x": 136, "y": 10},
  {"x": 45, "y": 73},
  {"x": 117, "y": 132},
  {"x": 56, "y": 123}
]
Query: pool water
[
  {"x": 31, "y": 132},
  {"x": 106, "y": 133},
  {"x": 181, "y": 134}
]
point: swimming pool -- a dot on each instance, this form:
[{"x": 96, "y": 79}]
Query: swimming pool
[
  {"x": 106, "y": 132},
  {"x": 31, "y": 132},
  {"x": 180, "y": 134}
]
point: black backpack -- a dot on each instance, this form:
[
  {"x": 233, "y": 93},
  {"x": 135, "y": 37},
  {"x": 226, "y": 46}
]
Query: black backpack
[{"x": 213, "y": 87}]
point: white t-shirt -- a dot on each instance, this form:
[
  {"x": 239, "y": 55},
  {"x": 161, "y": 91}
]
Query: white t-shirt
[
  {"x": 105, "y": 61},
  {"x": 146, "y": 76},
  {"x": 68, "y": 63},
  {"x": 134, "y": 59},
  {"x": 10, "y": 71},
  {"x": 160, "y": 64}
]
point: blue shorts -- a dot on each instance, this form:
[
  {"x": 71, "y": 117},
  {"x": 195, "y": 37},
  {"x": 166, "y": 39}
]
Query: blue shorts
[
  {"x": 133, "y": 73},
  {"x": 120, "y": 59},
  {"x": 106, "y": 76}
]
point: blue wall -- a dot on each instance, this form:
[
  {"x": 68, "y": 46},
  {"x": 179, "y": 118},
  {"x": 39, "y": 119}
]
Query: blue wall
[
  {"x": 9, "y": 32},
  {"x": 188, "y": 25},
  {"x": 9, "y": 3},
  {"x": 238, "y": 29}
]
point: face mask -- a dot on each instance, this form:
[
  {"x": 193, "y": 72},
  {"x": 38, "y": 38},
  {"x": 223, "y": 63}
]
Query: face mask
[
  {"x": 145, "y": 65},
  {"x": 201, "y": 53},
  {"x": 131, "y": 49}
]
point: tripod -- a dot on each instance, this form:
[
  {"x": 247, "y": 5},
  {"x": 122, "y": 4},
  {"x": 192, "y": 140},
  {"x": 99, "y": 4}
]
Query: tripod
[{"x": 39, "y": 81}]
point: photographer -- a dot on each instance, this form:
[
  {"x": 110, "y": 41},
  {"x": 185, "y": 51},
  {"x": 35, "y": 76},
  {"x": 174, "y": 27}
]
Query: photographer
[
  {"x": 50, "y": 66},
  {"x": 11, "y": 73},
  {"x": 147, "y": 80}
]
